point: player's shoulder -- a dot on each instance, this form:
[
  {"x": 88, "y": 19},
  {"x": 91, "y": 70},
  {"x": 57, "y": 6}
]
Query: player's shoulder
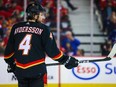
[{"x": 44, "y": 27}]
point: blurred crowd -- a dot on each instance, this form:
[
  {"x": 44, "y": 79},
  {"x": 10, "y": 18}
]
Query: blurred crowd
[
  {"x": 12, "y": 11},
  {"x": 107, "y": 10},
  {"x": 69, "y": 44}
]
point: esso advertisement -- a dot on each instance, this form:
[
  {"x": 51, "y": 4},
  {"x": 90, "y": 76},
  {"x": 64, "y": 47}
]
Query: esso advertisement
[
  {"x": 95, "y": 72},
  {"x": 86, "y": 71}
]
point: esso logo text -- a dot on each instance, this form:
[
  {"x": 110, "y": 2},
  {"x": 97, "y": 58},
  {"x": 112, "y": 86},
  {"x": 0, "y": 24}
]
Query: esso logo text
[{"x": 86, "y": 71}]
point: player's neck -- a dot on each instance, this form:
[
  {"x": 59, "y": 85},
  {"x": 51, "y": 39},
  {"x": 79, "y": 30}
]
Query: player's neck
[{"x": 31, "y": 20}]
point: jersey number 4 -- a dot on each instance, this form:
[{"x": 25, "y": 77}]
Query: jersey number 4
[{"x": 25, "y": 44}]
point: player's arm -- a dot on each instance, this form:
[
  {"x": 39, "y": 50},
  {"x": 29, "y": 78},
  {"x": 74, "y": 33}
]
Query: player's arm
[
  {"x": 52, "y": 51},
  {"x": 113, "y": 51},
  {"x": 9, "y": 51}
]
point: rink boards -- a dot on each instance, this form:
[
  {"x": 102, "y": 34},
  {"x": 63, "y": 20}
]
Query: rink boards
[
  {"x": 69, "y": 85},
  {"x": 102, "y": 74}
]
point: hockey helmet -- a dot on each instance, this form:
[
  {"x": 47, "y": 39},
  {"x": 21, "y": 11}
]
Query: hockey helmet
[{"x": 34, "y": 9}]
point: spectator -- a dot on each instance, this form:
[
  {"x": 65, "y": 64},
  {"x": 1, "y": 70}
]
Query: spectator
[
  {"x": 4, "y": 28},
  {"x": 4, "y": 8},
  {"x": 5, "y": 14},
  {"x": 70, "y": 44},
  {"x": 114, "y": 3},
  {"x": 1, "y": 33},
  {"x": 65, "y": 22},
  {"x": 5, "y": 39},
  {"x": 15, "y": 9},
  {"x": 112, "y": 36},
  {"x": 106, "y": 48},
  {"x": 108, "y": 15},
  {"x": 103, "y": 4},
  {"x": 80, "y": 52},
  {"x": 11, "y": 21},
  {"x": 109, "y": 9},
  {"x": 111, "y": 24},
  {"x": 70, "y": 5}
]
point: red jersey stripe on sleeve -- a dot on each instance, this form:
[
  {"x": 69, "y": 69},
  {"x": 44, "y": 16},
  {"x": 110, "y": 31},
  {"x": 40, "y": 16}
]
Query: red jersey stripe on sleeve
[
  {"x": 9, "y": 55},
  {"x": 58, "y": 56}
]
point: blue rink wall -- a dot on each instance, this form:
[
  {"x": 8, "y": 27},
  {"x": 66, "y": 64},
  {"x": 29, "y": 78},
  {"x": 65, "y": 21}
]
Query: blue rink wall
[{"x": 99, "y": 74}]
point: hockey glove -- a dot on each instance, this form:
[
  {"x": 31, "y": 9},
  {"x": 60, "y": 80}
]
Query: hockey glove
[
  {"x": 11, "y": 68},
  {"x": 71, "y": 63}
]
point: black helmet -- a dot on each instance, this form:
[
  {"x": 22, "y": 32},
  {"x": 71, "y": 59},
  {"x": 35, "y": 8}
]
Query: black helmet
[{"x": 34, "y": 9}]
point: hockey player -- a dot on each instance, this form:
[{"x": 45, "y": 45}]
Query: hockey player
[{"x": 28, "y": 44}]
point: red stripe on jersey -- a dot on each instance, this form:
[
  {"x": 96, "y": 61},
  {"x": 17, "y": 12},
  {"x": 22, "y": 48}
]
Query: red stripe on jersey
[
  {"x": 58, "y": 56},
  {"x": 45, "y": 79},
  {"x": 9, "y": 55},
  {"x": 31, "y": 64}
]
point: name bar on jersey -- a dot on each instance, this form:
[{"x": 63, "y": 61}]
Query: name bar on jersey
[{"x": 34, "y": 30}]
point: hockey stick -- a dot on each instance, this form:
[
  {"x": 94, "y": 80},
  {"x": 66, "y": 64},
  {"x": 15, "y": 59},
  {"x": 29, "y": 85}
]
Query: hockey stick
[
  {"x": 111, "y": 55},
  {"x": 83, "y": 61}
]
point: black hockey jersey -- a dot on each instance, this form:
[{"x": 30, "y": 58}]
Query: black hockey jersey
[{"x": 28, "y": 44}]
